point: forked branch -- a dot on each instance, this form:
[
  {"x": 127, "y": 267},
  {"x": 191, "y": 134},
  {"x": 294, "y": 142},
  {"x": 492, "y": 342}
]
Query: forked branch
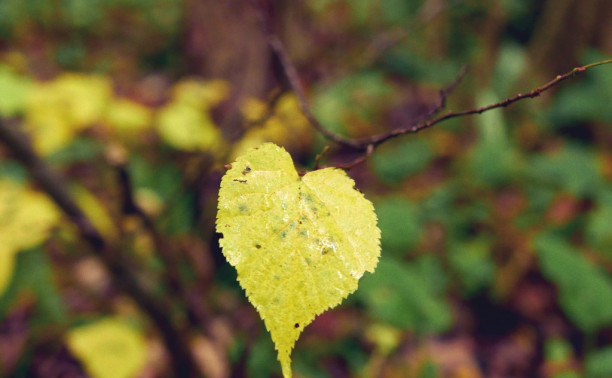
[
  {"x": 54, "y": 186},
  {"x": 368, "y": 143}
]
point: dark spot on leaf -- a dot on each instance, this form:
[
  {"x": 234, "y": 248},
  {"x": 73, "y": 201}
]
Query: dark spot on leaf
[
  {"x": 283, "y": 234},
  {"x": 246, "y": 170},
  {"x": 241, "y": 181},
  {"x": 257, "y": 246},
  {"x": 303, "y": 233},
  {"x": 297, "y": 325},
  {"x": 243, "y": 208}
]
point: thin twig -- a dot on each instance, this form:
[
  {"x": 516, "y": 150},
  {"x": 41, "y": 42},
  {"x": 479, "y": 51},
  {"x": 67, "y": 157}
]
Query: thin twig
[
  {"x": 53, "y": 185},
  {"x": 131, "y": 207},
  {"x": 167, "y": 254},
  {"x": 320, "y": 156},
  {"x": 419, "y": 126},
  {"x": 296, "y": 86},
  {"x": 423, "y": 123},
  {"x": 360, "y": 159},
  {"x": 444, "y": 93},
  {"x": 369, "y": 143}
]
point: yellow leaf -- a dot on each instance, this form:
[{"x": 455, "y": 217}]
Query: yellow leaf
[
  {"x": 299, "y": 245},
  {"x": 128, "y": 117},
  {"x": 200, "y": 94},
  {"x": 56, "y": 110},
  {"x": 108, "y": 348},
  {"x": 26, "y": 219},
  {"x": 7, "y": 265},
  {"x": 286, "y": 126},
  {"x": 13, "y": 91},
  {"x": 85, "y": 96},
  {"x": 95, "y": 211},
  {"x": 187, "y": 128},
  {"x": 26, "y": 216}
]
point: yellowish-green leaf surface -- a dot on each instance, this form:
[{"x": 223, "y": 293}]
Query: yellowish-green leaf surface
[
  {"x": 109, "y": 348},
  {"x": 299, "y": 244},
  {"x": 26, "y": 220}
]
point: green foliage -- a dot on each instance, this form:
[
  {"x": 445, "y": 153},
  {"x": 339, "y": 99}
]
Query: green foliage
[
  {"x": 472, "y": 263},
  {"x": 573, "y": 168},
  {"x": 350, "y": 100},
  {"x": 585, "y": 291},
  {"x": 166, "y": 87},
  {"x": 407, "y": 296},
  {"x": 558, "y": 350},
  {"x": 493, "y": 160},
  {"x": 400, "y": 224},
  {"x": 584, "y": 100},
  {"x": 599, "y": 363},
  {"x": 598, "y": 226},
  {"x": 34, "y": 273},
  {"x": 399, "y": 159}
]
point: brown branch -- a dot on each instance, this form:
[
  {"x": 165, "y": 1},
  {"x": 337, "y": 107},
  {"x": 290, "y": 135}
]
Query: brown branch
[
  {"x": 369, "y": 143},
  {"x": 130, "y": 207},
  {"x": 443, "y": 94},
  {"x": 360, "y": 159},
  {"x": 419, "y": 126},
  {"x": 296, "y": 86},
  {"x": 182, "y": 360},
  {"x": 165, "y": 252},
  {"x": 365, "y": 143}
]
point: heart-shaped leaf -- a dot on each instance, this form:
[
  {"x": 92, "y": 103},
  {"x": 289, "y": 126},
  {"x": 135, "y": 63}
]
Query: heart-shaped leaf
[{"x": 299, "y": 244}]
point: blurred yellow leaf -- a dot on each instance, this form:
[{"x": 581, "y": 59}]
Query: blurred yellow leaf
[
  {"x": 299, "y": 244},
  {"x": 253, "y": 109},
  {"x": 128, "y": 117},
  {"x": 95, "y": 211},
  {"x": 188, "y": 128},
  {"x": 86, "y": 96},
  {"x": 49, "y": 133},
  {"x": 26, "y": 216},
  {"x": 109, "y": 348},
  {"x": 7, "y": 265},
  {"x": 286, "y": 126},
  {"x": 57, "y": 109},
  {"x": 13, "y": 92},
  {"x": 200, "y": 94},
  {"x": 26, "y": 219}
]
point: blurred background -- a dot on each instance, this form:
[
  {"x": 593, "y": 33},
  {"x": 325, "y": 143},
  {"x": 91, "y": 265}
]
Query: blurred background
[{"x": 496, "y": 242}]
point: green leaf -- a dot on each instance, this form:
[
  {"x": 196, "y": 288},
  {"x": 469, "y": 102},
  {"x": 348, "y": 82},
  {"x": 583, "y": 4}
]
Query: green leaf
[
  {"x": 585, "y": 290},
  {"x": 574, "y": 169},
  {"x": 399, "y": 222},
  {"x": 299, "y": 244},
  {"x": 558, "y": 350},
  {"x": 400, "y": 159},
  {"x": 406, "y": 296},
  {"x": 599, "y": 363},
  {"x": 33, "y": 271},
  {"x": 493, "y": 160},
  {"x": 359, "y": 97},
  {"x": 472, "y": 263},
  {"x": 598, "y": 225}
]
